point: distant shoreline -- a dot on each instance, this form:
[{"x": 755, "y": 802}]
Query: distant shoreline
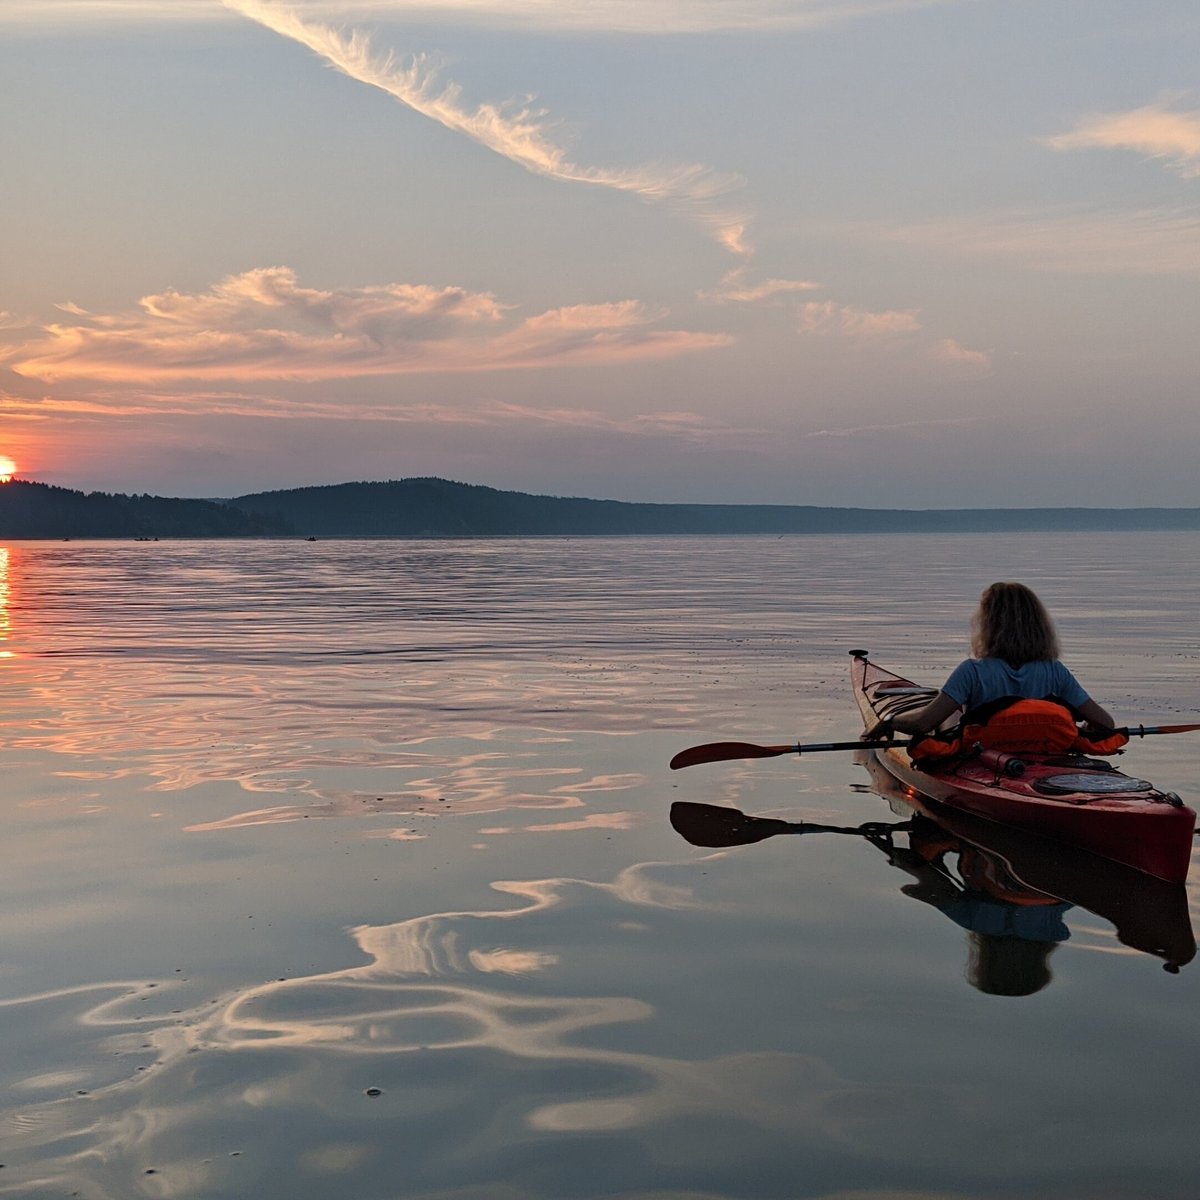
[
  {"x": 430, "y": 508},
  {"x": 12, "y": 539}
]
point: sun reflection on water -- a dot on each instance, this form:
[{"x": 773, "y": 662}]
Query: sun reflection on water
[{"x": 5, "y": 604}]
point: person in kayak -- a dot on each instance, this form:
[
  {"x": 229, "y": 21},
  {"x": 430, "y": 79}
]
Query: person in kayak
[{"x": 1015, "y": 657}]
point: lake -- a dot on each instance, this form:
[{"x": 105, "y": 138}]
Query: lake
[{"x": 345, "y": 868}]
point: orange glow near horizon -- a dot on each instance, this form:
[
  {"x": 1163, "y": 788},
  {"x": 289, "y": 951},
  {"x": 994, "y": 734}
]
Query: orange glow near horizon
[{"x": 8, "y": 469}]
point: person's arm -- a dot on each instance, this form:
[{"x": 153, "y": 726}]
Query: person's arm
[
  {"x": 1071, "y": 691},
  {"x": 1093, "y": 714},
  {"x": 924, "y": 720},
  {"x": 1085, "y": 707}
]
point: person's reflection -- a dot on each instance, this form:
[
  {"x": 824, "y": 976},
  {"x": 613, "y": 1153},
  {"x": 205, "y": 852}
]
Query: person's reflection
[{"x": 1012, "y": 929}]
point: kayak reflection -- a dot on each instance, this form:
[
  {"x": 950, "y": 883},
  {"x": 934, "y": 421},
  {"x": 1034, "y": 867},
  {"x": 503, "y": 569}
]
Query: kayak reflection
[{"x": 1009, "y": 890}]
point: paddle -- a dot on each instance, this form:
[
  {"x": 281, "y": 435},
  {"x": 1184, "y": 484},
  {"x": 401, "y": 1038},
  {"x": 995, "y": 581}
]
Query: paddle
[
  {"x": 722, "y": 751},
  {"x": 712, "y": 826}
]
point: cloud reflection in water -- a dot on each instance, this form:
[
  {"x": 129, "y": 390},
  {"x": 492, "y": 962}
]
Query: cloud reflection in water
[{"x": 471, "y": 991}]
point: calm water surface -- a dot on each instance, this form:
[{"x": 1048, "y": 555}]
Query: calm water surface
[{"x": 345, "y": 869}]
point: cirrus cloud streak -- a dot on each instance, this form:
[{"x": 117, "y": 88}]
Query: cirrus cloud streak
[
  {"x": 263, "y": 325},
  {"x": 514, "y": 131}
]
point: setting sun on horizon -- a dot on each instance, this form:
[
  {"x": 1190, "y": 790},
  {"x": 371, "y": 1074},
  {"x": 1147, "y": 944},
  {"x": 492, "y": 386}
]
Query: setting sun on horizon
[{"x": 8, "y": 469}]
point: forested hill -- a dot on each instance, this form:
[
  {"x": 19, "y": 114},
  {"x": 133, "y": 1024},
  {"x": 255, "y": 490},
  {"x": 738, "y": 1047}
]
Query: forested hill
[
  {"x": 438, "y": 507},
  {"x": 38, "y": 510}
]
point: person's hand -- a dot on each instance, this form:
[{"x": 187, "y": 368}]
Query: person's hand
[{"x": 881, "y": 731}]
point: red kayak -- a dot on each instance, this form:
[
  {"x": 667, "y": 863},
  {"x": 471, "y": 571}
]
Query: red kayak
[{"x": 1073, "y": 798}]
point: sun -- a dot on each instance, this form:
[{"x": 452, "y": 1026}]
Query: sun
[{"x": 8, "y": 469}]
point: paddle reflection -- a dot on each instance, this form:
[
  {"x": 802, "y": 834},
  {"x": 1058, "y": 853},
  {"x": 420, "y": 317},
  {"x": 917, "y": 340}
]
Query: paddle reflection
[{"x": 1010, "y": 891}]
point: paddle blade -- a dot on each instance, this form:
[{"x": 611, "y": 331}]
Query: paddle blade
[
  {"x": 720, "y": 751},
  {"x": 711, "y": 826},
  {"x": 1146, "y": 730}
]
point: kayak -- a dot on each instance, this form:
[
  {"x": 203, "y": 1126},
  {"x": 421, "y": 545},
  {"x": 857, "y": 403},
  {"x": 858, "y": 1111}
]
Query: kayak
[{"x": 1083, "y": 801}]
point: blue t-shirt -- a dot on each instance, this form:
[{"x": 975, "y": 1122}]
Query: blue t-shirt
[{"x": 977, "y": 681}]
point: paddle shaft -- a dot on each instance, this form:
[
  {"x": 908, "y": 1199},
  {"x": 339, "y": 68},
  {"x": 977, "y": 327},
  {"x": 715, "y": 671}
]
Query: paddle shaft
[
  {"x": 722, "y": 751},
  {"x": 815, "y": 747}
]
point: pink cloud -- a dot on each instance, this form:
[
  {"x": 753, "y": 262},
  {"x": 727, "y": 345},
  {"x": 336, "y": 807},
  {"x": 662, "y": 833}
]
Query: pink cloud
[
  {"x": 735, "y": 289},
  {"x": 830, "y": 319},
  {"x": 950, "y": 351},
  {"x": 263, "y": 325},
  {"x": 1153, "y": 130}
]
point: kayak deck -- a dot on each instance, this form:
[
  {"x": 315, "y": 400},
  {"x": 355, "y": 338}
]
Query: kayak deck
[{"x": 1071, "y": 797}]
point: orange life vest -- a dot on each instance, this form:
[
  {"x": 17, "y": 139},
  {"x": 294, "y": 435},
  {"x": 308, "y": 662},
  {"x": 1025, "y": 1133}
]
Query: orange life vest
[{"x": 1024, "y": 727}]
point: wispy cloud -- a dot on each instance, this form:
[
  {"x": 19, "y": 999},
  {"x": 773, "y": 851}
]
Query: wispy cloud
[
  {"x": 736, "y": 288},
  {"x": 104, "y": 407},
  {"x": 512, "y": 130},
  {"x": 891, "y": 327},
  {"x": 827, "y": 318},
  {"x": 650, "y": 17},
  {"x": 1084, "y": 241},
  {"x": 1155, "y": 130},
  {"x": 101, "y": 405},
  {"x": 688, "y": 426},
  {"x": 854, "y": 431},
  {"x": 950, "y": 351},
  {"x": 263, "y": 325}
]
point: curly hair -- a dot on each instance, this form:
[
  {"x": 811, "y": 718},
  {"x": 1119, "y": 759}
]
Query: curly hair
[{"x": 1012, "y": 624}]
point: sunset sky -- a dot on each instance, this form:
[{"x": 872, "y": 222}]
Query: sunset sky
[{"x": 894, "y": 253}]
